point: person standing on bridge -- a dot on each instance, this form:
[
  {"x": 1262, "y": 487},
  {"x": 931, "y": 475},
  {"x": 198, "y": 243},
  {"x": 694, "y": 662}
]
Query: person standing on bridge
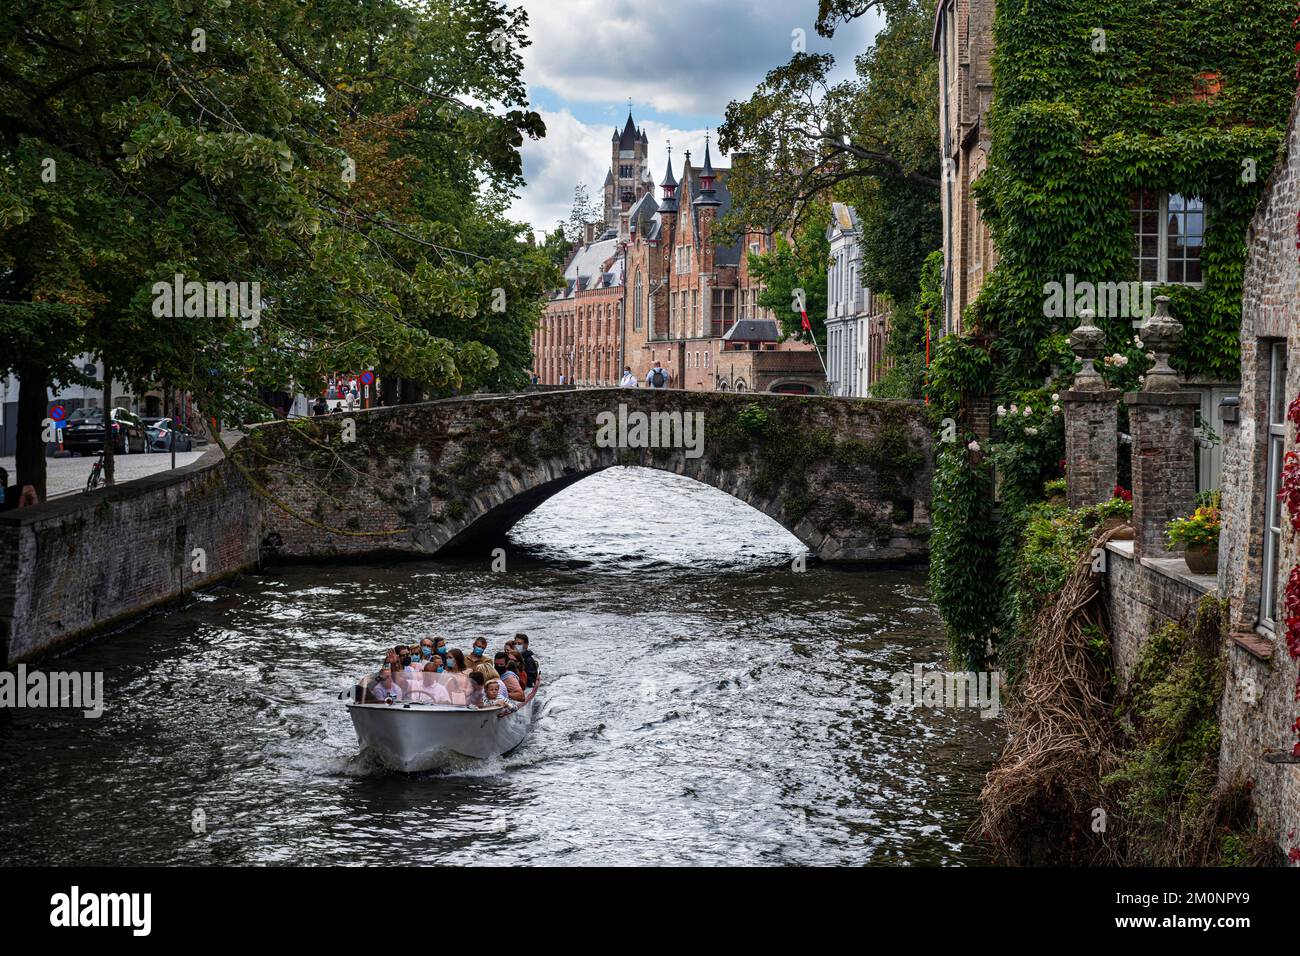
[
  {"x": 658, "y": 376},
  {"x": 628, "y": 380}
]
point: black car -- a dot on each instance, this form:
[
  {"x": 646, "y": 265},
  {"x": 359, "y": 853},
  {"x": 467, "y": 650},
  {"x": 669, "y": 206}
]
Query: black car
[
  {"x": 161, "y": 431},
  {"x": 84, "y": 433}
]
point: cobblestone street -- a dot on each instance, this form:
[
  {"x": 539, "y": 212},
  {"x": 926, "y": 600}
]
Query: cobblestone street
[{"x": 68, "y": 475}]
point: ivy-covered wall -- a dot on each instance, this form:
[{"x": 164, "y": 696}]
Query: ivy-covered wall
[{"x": 1094, "y": 99}]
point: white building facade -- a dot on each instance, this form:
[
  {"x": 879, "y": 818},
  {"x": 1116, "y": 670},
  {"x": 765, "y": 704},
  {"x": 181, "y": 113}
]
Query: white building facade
[{"x": 856, "y": 322}]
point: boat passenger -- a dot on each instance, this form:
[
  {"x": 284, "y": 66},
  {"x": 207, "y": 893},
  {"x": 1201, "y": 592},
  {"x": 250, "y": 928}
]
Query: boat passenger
[
  {"x": 530, "y": 662},
  {"x": 479, "y": 649},
  {"x": 456, "y": 660},
  {"x": 511, "y": 678},
  {"x": 386, "y": 689},
  {"x": 431, "y": 690},
  {"x": 494, "y": 694},
  {"x": 474, "y": 697},
  {"x": 440, "y": 646}
]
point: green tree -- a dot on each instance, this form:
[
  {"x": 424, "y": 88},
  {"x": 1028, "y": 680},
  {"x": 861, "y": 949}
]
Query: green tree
[
  {"x": 327, "y": 151},
  {"x": 870, "y": 141},
  {"x": 794, "y": 272}
]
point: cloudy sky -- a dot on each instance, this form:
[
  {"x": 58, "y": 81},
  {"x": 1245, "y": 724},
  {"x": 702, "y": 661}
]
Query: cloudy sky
[{"x": 679, "y": 61}]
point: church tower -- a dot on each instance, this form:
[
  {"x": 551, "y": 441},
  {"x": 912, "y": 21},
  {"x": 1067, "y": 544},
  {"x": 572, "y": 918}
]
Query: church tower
[{"x": 629, "y": 175}]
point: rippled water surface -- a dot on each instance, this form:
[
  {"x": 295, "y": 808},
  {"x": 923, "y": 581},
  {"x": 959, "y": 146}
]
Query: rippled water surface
[{"x": 703, "y": 704}]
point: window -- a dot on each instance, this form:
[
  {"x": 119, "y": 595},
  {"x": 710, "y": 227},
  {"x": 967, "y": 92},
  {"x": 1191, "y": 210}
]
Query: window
[
  {"x": 706, "y": 359},
  {"x": 625, "y": 172},
  {"x": 724, "y": 310},
  {"x": 683, "y": 263},
  {"x": 1168, "y": 236},
  {"x": 695, "y": 312},
  {"x": 638, "y": 315},
  {"x": 1272, "y": 507}
]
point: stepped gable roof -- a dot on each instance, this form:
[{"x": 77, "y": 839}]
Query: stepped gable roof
[{"x": 752, "y": 330}]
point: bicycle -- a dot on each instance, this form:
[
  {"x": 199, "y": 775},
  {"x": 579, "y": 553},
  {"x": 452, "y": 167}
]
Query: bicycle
[{"x": 96, "y": 473}]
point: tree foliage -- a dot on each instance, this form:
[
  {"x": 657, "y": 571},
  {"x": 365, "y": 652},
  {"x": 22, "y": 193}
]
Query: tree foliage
[
  {"x": 327, "y": 151},
  {"x": 793, "y": 272}
]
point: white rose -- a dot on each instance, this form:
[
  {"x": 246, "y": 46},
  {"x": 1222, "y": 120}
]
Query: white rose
[
  {"x": 1056, "y": 409},
  {"x": 1056, "y": 397},
  {"x": 1028, "y": 411},
  {"x": 1031, "y": 431},
  {"x": 1002, "y": 411},
  {"x": 974, "y": 446}
]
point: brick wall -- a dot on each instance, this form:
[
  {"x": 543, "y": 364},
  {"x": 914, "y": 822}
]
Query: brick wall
[
  {"x": 1259, "y": 703},
  {"x": 84, "y": 562}
]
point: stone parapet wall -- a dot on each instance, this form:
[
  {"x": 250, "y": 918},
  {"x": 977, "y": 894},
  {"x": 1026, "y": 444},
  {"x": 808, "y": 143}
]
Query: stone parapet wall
[{"x": 78, "y": 564}]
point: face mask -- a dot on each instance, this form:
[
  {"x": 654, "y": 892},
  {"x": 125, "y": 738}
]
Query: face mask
[
  {"x": 425, "y": 652},
  {"x": 478, "y": 652},
  {"x": 441, "y": 669},
  {"x": 441, "y": 650}
]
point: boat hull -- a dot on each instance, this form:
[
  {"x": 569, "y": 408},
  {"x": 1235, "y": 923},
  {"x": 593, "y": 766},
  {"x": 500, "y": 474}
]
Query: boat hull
[{"x": 412, "y": 736}]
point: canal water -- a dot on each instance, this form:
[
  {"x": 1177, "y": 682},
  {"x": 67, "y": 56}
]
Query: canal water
[{"x": 705, "y": 703}]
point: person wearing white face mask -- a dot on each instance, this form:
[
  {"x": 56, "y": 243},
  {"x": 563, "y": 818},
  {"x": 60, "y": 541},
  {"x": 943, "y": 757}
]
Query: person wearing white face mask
[{"x": 628, "y": 380}]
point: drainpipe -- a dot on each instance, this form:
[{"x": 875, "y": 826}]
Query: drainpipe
[{"x": 622, "y": 322}]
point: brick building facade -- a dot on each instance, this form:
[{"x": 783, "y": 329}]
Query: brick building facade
[
  {"x": 658, "y": 286},
  {"x": 963, "y": 40}
]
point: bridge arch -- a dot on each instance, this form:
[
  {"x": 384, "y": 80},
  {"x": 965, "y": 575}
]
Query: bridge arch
[{"x": 850, "y": 479}]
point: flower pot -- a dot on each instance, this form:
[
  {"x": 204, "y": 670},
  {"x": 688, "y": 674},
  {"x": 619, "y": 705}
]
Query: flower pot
[{"x": 1202, "y": 558}]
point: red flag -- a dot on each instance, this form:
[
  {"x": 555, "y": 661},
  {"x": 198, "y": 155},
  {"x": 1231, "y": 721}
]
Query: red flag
[{"x": 807, "y": 326}]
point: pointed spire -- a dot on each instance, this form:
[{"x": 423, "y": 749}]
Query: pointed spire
[
  {"x": 707, "y": 196},
  {"x": 629, "y": 138},
  {"x": 669, "y": 185}
]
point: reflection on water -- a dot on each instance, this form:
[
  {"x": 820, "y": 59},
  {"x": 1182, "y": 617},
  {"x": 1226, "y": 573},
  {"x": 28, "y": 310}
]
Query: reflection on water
[{"x": 704, "y": 704}]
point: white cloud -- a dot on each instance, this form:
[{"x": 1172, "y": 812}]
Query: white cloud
[
  {"x": 574, "y": 152},
  {"x": 676, "y": 56},
  {"x": 685, "y": 57}
]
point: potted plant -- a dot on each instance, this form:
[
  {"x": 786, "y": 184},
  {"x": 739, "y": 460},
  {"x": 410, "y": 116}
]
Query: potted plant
[
  {"x": 1116, "y": 516},
  {"x": 1198, "y": 534}
]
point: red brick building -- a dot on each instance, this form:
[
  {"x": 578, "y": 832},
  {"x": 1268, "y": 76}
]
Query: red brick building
[{"x": 657, "y": 286}]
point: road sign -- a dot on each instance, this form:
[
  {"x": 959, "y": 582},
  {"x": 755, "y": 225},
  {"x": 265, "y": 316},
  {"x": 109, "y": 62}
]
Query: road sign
[
  {"x": 367, "y": 377},
  {"x": 58, "y": 413}
]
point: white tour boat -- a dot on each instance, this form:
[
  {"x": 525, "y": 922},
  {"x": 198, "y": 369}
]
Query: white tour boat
[{"x": 416, "y": 734}]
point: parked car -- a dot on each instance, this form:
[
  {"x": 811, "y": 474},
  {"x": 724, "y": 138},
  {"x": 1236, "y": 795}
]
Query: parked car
[
  {"x": 84, "y": 433},
  {"x": 160, "y": 434}
]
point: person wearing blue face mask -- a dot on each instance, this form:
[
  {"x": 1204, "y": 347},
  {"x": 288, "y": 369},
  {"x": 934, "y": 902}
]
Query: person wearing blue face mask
[{"x": 480, "y": 648}]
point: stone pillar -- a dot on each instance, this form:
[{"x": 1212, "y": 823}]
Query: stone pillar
[
  {"x": 1161, "y": 420},
  {"x": 1091, "y": 422}
]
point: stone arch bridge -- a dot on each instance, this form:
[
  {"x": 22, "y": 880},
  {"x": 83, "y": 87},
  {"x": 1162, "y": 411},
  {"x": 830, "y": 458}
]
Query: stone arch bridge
[{"x": 849, "y": 478}]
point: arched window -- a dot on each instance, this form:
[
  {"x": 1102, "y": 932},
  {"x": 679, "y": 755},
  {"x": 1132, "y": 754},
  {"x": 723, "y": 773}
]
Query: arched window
[
  {"x": 638, "y": 314},
  {"x": 740, "y": 385}
]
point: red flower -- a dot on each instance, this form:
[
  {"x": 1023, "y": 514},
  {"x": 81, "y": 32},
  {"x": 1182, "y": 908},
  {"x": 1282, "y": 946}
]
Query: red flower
[
  {"x": 1122, "y": 492},
  {"x": 1294, "y": 854}
]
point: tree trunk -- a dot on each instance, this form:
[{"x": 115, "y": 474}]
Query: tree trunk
[
  {"x": 108, "y": 424},
  {"x": 30, "y": 453}
]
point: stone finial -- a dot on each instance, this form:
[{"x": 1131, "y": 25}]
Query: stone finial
[
  {"x": 1161, "y": 334},
  {"x": 1088, "y": 342}
]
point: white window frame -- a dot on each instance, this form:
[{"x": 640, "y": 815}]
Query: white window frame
[{"x": 1162, "y": 239}]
